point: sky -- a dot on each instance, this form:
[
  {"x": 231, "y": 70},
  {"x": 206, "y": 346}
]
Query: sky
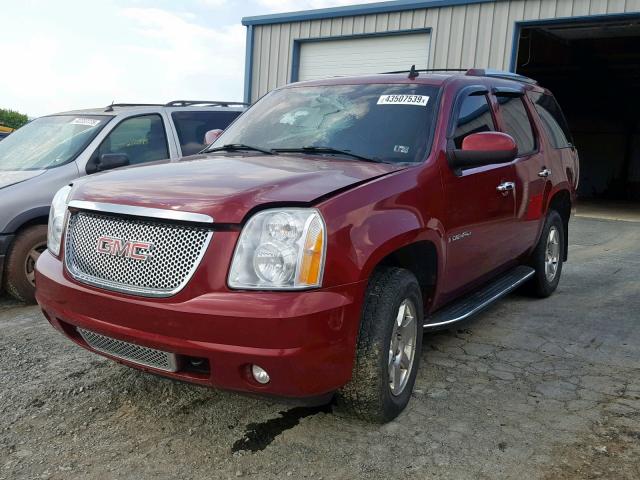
[{"x": 69, "y": 54}]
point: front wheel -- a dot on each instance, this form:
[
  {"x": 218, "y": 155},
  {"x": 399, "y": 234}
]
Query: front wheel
[
  {"x": 547, "y": 258},
  {"x": 389, "y": 347},
  {"x": 20, "y": 269}
]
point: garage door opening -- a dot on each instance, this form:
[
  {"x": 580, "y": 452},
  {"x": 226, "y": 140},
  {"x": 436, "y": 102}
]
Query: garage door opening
[{"x": 593, "y": 69}]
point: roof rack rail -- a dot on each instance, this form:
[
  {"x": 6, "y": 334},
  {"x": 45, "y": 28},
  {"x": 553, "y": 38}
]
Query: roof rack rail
[
  {"x": 486, "y": 72},
  {"x": 109, "y": 108},
  {"x": 427, "y": 70},
  {"x": 217, "y": 103}
]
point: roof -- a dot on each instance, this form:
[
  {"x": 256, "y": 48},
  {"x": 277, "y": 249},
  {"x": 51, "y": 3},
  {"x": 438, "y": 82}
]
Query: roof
[
  {"x": 351, "y": 10},
  {"x": 433, "y": 78}
]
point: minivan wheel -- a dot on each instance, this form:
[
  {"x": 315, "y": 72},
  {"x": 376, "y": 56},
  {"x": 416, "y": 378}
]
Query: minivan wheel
[
  {"x": 21, "y": 262},
  {"x": 389, "y": 347},
  {"x": 547, "y": 258}
]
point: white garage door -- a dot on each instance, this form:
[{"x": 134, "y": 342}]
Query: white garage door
[{"x": 357, "y": 56}]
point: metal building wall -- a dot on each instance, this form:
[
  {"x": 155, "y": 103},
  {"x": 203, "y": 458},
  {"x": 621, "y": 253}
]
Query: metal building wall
[{"x": 477, "y": 35}]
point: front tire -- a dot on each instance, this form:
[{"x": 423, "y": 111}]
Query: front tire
[
  {"x": 547, "y": 258},
  {"x": 389, "y": 347},
  {"x": 21, "y": 262}
]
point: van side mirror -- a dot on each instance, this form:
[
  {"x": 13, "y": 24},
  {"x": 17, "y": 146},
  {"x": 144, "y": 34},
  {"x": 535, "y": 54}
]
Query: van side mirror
[
  {"x": 212, "y": 135},
  {"x": 483, "y": 148},
  {"x": 108, "y": 161}
]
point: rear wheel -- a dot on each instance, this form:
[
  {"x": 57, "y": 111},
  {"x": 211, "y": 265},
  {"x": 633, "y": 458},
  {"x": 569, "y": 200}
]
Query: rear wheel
[
  {"x": 547, "y": 258},
  {"x": 21, "y": 263},
  {"x": 389, "y": 347}
]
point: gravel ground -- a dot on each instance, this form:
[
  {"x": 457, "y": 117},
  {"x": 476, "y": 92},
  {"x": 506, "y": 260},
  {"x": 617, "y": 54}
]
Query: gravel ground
[{"x": 530, "y": 389}]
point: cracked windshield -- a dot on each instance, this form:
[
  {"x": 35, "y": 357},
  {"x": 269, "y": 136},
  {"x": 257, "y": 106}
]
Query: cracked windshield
[{"x": 384, "y": 123}]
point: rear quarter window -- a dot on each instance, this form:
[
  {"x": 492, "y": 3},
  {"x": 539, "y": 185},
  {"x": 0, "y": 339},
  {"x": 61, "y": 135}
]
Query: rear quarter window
[
  {"x": 553, "y": 121},
  {"x": 192, "y": 127}
]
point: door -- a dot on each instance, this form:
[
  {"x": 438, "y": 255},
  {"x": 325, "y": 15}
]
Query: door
[
  {"x": 480, "y": 202},
  {"x": 531, "y": 166}
]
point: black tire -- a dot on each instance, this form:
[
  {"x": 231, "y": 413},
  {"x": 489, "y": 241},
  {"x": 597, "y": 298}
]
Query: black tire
[
  {"x": 19, "y": 263},
  {"x": 369, "y": 394},
  {"x": 540, "y": 285}
]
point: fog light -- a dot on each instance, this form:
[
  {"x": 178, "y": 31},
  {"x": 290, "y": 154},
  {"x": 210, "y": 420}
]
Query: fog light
[{"x": 260, "y": 374}]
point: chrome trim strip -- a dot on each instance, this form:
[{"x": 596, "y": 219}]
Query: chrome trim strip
[
  {"x": 140, "y": 291},
  {"x": 484, "y": 304},
  {"x": 164, "y": 214}
]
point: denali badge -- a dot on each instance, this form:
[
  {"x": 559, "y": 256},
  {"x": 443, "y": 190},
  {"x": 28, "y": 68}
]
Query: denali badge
[
  {"x": 459, "y": 236},
  {"x": 124, "y": 248}
]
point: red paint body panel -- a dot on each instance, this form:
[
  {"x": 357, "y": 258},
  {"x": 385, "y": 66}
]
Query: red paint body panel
[{"x": 306, "y": 339}]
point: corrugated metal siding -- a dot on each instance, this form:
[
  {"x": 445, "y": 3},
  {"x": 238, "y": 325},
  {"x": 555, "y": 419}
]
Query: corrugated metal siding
[{"x": 477, "y": 35}]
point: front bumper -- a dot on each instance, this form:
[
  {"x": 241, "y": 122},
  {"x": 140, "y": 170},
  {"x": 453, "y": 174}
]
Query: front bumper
[{"x": 305, "y": 340}]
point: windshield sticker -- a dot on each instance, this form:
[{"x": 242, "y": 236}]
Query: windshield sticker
[
  {"x": 88, "y": 122},
  {"x": 419, "y": 100},
  {"x": 401, "y": 149}
]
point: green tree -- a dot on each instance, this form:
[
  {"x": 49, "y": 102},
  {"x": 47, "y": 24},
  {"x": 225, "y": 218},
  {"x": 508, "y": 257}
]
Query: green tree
[{"x": 12, "y": 119}]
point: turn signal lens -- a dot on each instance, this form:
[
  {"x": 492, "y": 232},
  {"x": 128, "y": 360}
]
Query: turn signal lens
[{"x": 312, "y": 253}]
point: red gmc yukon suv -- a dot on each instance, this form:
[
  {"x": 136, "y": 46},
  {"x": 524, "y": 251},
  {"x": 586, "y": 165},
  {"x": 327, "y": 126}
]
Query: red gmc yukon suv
[{"x": 307, "y": 250}]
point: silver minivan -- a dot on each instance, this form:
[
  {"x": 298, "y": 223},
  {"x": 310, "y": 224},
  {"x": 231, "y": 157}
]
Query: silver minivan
[{"x": 49, "y": 152}]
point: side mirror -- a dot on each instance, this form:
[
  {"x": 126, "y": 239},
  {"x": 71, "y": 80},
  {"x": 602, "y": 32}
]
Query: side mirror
[
  {"x": 109, "y": 161},
  {"x": 484, "y": 148},
  {"x": 212, "y": 135}
]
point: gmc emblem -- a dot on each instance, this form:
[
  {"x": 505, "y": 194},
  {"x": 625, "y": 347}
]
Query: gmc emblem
[{"x": 124, "y": 248}]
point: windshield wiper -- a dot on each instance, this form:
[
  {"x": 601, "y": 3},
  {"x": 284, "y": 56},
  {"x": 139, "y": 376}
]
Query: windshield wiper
[
  {"x": 233, "y": 147},
  {"x": 328, "y": 150}
]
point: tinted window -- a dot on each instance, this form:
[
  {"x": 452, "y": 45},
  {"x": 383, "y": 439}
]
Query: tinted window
[
  {"x": 552, "y": 119},
  {"x": 142, "y": 138},
  {"x": 192, "y": 127},
  {"x": 391, "y": 123},
  {"x": 475, "y": 116},
  {"x": 517, "y": 123}
]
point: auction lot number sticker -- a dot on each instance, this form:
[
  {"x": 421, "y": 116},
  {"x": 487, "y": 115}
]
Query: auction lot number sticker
[{"x": 419, "y": 100}]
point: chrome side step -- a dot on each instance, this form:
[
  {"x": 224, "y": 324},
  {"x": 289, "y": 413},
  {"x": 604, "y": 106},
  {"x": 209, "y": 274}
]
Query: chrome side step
[{"x": 480, "y": 299}]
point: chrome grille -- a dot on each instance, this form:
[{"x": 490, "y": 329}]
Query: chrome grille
[
  {"x": 128, "y": 351},
  {"x": 171, "y": 260}
]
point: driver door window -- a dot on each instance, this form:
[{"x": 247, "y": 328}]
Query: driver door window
[
  {"x": 143, "y": 139},
  {"x": 474, "y": 116}
]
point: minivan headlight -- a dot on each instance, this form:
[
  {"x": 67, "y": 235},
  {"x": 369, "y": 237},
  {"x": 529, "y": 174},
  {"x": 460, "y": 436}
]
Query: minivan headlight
[
  {"x": 57, "y": 217},
  {"x": 280, "y": 249}
]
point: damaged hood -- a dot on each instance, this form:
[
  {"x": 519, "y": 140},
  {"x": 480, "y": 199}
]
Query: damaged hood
[{"x": 226, "y": 187}]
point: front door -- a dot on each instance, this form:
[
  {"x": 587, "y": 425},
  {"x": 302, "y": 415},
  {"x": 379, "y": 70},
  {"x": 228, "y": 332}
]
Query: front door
[{"x": 480, "y": 204}]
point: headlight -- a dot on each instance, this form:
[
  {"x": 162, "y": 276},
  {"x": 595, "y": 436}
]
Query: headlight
[
  {"x": 280, "y": 249},
  {"x": 57, "y": 216}
]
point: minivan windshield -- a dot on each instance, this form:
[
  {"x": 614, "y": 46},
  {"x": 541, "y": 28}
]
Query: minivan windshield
[
  {"x": 49, "y": 142},
  {"x": 381, "y": 122}
]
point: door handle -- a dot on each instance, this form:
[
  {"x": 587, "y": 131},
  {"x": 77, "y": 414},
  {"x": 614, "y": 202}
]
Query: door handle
[
  {"x": 506, "y": 187},
  {"x": 544, "y": 173}
]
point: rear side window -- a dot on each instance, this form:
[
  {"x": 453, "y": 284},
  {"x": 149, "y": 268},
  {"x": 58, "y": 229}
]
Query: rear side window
[
  {"x": 517, "y": 123},
  {"x": 192, "y": 127},
  {"x": 552, "y": 118},
  {"x": 475, "y": 116}
]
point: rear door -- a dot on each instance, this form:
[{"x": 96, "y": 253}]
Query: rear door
[
  {"x": 480, "y": 218},
  {"x": 515, "y": 119}
]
